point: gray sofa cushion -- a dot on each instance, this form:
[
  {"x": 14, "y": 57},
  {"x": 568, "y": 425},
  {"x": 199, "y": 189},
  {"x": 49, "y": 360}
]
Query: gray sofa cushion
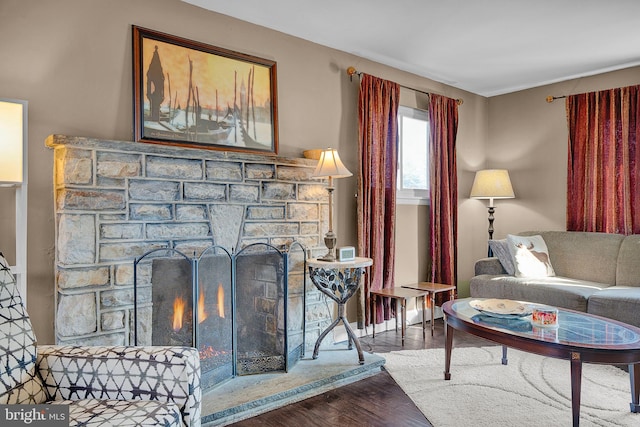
[
  {"x": 628, "y": 273},
  {"x": 581, "y": 256},
  {"x": 491, "y": 266},
  {"x": 557, "y": 291},
  {"x": 617, "y": 302}
]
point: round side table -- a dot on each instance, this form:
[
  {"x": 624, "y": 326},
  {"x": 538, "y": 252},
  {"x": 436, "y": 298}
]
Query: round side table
[{"x": 339, "y": 281}]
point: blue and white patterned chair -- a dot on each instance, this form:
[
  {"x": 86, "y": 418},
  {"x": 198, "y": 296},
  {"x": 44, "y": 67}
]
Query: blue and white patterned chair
[{"x": 103, "y": 386}]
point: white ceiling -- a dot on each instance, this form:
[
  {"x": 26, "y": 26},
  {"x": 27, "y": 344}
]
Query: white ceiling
[{"x": 488, "y": 47}]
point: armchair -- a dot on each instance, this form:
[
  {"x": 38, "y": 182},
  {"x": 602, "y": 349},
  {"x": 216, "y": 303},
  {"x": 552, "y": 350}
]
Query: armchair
[{"x": 103, "y": 386}]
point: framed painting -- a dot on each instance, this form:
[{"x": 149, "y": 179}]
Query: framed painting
[{"x": 192, "y": 94}]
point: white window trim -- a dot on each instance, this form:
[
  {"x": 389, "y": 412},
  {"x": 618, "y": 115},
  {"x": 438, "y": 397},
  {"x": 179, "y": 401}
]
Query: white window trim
[{"x": 410, "y": 196}]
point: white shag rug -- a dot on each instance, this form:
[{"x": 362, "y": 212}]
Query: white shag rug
[{"x": 530, "y": 390}]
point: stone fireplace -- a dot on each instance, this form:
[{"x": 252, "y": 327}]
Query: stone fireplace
[{"x": 117, "y": 200}]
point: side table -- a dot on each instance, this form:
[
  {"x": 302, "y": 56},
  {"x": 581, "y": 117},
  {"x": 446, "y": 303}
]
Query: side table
[
  {"x": 339, "y": 281},
  {"x": 433, "y": 289},
  {"x": 401, "y": 294}
]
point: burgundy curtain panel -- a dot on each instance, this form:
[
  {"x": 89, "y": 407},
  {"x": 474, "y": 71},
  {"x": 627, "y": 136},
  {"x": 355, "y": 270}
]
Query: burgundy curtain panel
[
  {"x": 603, "y": 180},
  {"x": 443, "y": 218},
  {"x": 378, "y": 152}
]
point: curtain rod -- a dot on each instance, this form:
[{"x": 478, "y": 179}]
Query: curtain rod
[
  {"x": 351, "y": 71},
  {"x": 550, "y": 98}
]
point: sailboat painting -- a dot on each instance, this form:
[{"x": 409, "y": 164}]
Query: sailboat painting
[{"x": 192, "y": 94}]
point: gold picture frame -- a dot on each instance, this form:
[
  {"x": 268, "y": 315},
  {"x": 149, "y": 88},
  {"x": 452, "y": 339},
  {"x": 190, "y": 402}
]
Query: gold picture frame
[{"x": 188, "y": 93}]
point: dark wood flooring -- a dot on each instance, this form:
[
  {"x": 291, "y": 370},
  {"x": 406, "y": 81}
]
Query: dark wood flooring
[{"x": 376, "y": 401}]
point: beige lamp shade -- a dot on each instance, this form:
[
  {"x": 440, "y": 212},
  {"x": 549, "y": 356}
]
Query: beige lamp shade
[
  {"x": 492, "y": 184},
  {"x": 11, "y": 142},
  {"x": 330, "y": 165}
]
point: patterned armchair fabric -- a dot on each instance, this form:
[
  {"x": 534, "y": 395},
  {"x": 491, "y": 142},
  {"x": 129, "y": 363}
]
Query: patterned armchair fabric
[
  {"x": 168, "y": 374},
  {"x": 19, "y": 382},
  {"x": 103, "y": 386}
]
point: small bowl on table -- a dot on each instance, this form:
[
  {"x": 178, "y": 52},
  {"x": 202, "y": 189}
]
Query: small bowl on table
[{"x": 544, "y": 316}]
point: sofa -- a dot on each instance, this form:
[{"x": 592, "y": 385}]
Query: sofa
[
  {"x": 101, "y": 385},
  {"x": 597, "y": 273}
]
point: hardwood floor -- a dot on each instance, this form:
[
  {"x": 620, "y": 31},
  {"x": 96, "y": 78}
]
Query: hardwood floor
[{"x": 376, "y": 401}]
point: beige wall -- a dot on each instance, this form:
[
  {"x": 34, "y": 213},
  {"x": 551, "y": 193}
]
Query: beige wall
[
  {"x": 412, "y": 244},
  {"x": 528, "y": 136},
  {"x": 71, "y": 59}
]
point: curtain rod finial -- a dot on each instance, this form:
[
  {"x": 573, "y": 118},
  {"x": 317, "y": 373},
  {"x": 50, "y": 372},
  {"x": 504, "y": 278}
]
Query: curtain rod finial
[
  {"x": 351, "y": 71},
  {"x": 550, "y": 98}
]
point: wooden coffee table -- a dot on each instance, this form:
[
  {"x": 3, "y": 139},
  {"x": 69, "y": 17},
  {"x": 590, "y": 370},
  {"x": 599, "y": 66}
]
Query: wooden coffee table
[
  {"x": 579, "y": 337},
  {"x": 432, "y": 289}
]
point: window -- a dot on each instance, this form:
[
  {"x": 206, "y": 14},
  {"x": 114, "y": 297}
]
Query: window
[{"x": 413, "y": 157}]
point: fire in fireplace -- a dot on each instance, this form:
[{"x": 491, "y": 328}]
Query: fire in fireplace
[{"x": 237, "y": 302}]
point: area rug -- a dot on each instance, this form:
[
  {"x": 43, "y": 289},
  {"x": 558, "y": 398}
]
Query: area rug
[{"x": 529, "y": 390}]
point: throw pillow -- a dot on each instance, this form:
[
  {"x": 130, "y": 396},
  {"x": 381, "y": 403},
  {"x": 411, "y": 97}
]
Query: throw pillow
[
  {"x": 500, "y": 249},
  {"x": 530, "y": 256}
]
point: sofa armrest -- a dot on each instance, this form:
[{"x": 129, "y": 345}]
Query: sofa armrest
[
  {"x": 169, "y": 374},
  {"x": 491, "y": 266}
]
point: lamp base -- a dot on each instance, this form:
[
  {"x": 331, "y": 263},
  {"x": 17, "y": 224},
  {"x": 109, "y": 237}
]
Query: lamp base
[
  {"x": 330, "y": 242},
  {"x": 491, "y": 218}
]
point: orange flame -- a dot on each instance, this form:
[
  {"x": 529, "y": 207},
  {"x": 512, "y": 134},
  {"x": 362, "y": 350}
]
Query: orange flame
[
  {"x": 220, "y": 300},
  {"x": 178, "y": 313},
  {"x": 202, "y": 313}
]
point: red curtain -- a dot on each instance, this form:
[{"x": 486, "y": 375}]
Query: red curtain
[
  {"x": 603, "y": 179},
  {"x": 443, "y": 218},
  {"x": 377, "y": 150}
]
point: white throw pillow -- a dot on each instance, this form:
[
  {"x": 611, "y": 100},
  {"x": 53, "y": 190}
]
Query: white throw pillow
[{"x": 530, "y": 256}]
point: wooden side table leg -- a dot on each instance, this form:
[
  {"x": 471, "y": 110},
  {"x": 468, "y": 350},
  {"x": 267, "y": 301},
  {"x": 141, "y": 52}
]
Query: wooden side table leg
[
  {"x": 424, "y": 316},
  {"x": 433, "y": 306},
  {"x": 373, "y": 314},
  {"x": 403, "y": 314},
  {"x": 397, "y": 304}
]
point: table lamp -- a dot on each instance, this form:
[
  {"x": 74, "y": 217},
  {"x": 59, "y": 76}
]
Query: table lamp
[
  {"x": 492, "y": 184},
  {"x": 330, "y": 166}
]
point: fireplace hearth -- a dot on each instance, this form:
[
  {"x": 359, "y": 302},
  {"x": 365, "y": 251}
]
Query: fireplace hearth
[{"x": 232, "y": 307}]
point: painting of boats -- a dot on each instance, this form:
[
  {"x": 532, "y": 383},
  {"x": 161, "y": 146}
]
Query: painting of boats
[{"x": 192, "y": 94}]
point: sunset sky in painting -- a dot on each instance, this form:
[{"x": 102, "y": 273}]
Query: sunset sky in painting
[{"x": 210, "y": 73}]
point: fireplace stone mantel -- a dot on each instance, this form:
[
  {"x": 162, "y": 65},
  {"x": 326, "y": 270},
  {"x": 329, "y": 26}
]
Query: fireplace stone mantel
[{"x": 116, "y": 200}]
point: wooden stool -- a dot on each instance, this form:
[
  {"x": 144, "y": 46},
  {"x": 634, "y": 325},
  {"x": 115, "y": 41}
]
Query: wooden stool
[
  {"x": 432, "y": 289},
  {"x": 400, "y": 294}
]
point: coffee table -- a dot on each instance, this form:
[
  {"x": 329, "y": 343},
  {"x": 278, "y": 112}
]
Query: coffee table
[{"x": 579, "y": 337}]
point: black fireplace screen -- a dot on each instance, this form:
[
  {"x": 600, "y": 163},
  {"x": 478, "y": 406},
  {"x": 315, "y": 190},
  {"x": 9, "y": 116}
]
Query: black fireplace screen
[{"x": 235, "y": 308}]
